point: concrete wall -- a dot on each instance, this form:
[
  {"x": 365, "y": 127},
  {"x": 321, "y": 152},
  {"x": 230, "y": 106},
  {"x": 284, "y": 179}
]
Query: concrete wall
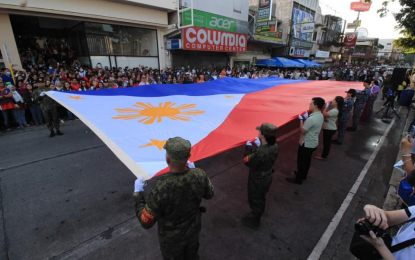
[
  {"x": 284, "y": 13},
  {"x": 7, "y": 38},
  {"x": 93, "y": 9},
  {"x": 165, "y": 4}
]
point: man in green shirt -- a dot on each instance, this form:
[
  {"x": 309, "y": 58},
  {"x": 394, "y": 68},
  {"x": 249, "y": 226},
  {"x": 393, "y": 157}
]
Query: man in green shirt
[{"x": 310, "y": 130}]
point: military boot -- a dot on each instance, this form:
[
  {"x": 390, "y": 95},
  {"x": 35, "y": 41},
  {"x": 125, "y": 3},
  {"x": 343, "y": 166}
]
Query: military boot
[
  {"x": 251, "y": 221},
  {"x": 58, "y": 132},
  {"x": 52, "y": 133}
]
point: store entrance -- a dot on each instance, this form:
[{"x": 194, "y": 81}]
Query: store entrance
[{"x": 41, "y": 39}]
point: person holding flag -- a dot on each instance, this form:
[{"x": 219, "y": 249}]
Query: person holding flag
[
  {"x": 260, "y": 163},
  {"x": 174, "y": 203},
  {"x": 310, "y": 130}
]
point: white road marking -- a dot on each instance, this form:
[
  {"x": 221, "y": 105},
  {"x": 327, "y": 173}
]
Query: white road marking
[{"x": 325, "y": 238}]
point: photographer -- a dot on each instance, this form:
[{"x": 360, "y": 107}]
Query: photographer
[{"x": 383, "y": 219}]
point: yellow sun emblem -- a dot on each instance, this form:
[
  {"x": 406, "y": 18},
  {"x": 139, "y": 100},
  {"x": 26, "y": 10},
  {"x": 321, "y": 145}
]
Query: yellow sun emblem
[
  {"x": 152, "y": 113},
  {"x": 76, "y": 98}
]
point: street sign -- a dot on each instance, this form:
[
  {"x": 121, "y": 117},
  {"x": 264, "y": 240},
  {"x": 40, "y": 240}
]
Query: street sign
[
  {"x": 360, "y": 6},
  {"x": 174, "y": 44},
  {"x": 350, "y": 40},
  {"x": 351, "y": 26}
]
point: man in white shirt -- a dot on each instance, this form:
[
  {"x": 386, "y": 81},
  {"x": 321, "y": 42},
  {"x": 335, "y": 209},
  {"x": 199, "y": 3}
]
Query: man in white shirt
[
  {"x": 324, "y": 74},
  {"x": 330, "y": 74},
  {"x": 310, "y": 130}
]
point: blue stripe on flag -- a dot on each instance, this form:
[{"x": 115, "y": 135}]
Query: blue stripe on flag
[{"x": 221, "y": 86}]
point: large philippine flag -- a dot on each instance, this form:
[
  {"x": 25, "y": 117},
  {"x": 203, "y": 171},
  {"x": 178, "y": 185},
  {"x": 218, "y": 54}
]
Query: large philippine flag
[{"x": 215, "y": 116}]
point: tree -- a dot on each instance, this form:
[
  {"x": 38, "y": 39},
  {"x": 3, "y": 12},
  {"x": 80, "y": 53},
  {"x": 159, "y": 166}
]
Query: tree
[{"x": 406, "y": 21}]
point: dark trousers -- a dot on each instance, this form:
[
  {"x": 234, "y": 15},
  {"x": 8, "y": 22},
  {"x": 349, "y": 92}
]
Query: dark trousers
[
  {"x": 327, "y": 137},
  {"x": 51, "y": 118},
  {"x": 342, "y": 127},
  {"x": 257, "y": 192},
  {"x": 182, "y": 251},
  {"x": 356, "y": 115},
  {"x": 36, "y": 114},
  {"x": 303, "y": 162}
]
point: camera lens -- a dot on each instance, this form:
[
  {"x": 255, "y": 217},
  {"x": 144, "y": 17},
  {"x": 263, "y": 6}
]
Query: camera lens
[{"x": 363, "y": 228}]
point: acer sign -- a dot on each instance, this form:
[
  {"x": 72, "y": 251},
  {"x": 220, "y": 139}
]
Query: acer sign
[
  {"x": 360, "y": 6},
  {"x": 350, "y": 40},
  {"x": 203, "y": 39}
]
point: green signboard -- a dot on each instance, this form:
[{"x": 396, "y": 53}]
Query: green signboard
[{"x": 210, "y": 21}]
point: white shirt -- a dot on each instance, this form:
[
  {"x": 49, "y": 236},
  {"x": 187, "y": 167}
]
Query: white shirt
[{"x": 405, "y": 233}]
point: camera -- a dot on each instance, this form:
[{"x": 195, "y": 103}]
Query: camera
[{"x": 364, "y": 227}]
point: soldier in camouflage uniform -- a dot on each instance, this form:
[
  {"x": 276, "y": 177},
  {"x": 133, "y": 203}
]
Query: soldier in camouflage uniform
[
  {"x": 48, "y": 106},
  {"x": 175, "y": 203},
  {"x": 348, "y": 106},
  {"x": 260, "y": 165},
  {"x": 361, "y": 98}
]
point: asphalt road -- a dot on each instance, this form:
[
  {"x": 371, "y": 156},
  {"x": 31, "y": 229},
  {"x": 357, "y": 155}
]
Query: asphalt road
[{"x": 69, "y": 197}]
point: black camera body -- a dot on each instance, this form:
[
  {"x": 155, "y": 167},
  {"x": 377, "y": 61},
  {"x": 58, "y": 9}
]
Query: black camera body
[{"x": 364, "y": 227}]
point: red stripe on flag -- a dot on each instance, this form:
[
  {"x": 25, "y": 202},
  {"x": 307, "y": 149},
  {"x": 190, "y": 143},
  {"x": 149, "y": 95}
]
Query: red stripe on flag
[{"x": 278, "y": 105}]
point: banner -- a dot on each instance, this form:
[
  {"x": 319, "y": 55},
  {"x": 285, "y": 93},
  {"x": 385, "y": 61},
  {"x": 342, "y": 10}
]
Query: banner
[
  {"x": 300, "y": 18},
  {"x": 307, "y": 28},
  {"x": 216, "y": 22},
  {"x": 264, "y": 10},
  {"x": 236, "y": 9},
  {"x": 322, "y": 54},
  {"x": 203, "y": 39},
  {"x": 350, "y": 39}
]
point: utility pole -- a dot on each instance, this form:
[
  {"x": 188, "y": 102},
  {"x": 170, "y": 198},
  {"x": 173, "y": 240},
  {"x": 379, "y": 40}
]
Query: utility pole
[
  {"x": 343, "y": 36},
  {"x": 355, "y": 30}
]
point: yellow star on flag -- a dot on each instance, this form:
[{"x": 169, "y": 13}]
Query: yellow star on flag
[
  {"x": 154, "y": 142},
  {"x": 229, "y": 96},
  {"x": 76, "y": 98}
]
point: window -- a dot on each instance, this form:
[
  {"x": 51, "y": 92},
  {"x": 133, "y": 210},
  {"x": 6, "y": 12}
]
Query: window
[
  {"x": 106, "y": 39},
  {"x": 314, "y": 36}
]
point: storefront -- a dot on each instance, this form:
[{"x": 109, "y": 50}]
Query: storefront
[
  {"x": 115, "y": 34},
  {"x": 87, "y": 42}
]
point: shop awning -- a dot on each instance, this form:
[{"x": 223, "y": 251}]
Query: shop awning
[
  {"x": 308, "y": 63},
  {"x": 279, "y": 62}
]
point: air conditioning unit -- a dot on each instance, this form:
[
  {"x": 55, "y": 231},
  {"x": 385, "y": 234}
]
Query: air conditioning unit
[{"x": 292, "y": 50}]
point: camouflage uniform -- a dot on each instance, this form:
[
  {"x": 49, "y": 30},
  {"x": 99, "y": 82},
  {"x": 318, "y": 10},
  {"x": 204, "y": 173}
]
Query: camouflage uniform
[
  {"x": 260, "y": 165},
  {"x": 348, "y": 106},
  {"x": 175, "y": 204},
  {"x": 360, "y": 103},
  {"x": 48, "y": 106}
]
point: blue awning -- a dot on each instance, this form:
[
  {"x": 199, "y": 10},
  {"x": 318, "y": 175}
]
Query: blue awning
[
  {"x": 308, "y": 63},
  {"x": 280, "y": 63}
]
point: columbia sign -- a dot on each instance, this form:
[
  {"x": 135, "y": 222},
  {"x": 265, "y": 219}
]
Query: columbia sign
[
  {"x": 203, "y": 39},
  {"x": 360, "y": 6}
]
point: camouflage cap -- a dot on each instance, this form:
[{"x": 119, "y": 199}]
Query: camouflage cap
[
  {"x": 178, "y": 148},
  {"x": 268, "y": 129}
]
